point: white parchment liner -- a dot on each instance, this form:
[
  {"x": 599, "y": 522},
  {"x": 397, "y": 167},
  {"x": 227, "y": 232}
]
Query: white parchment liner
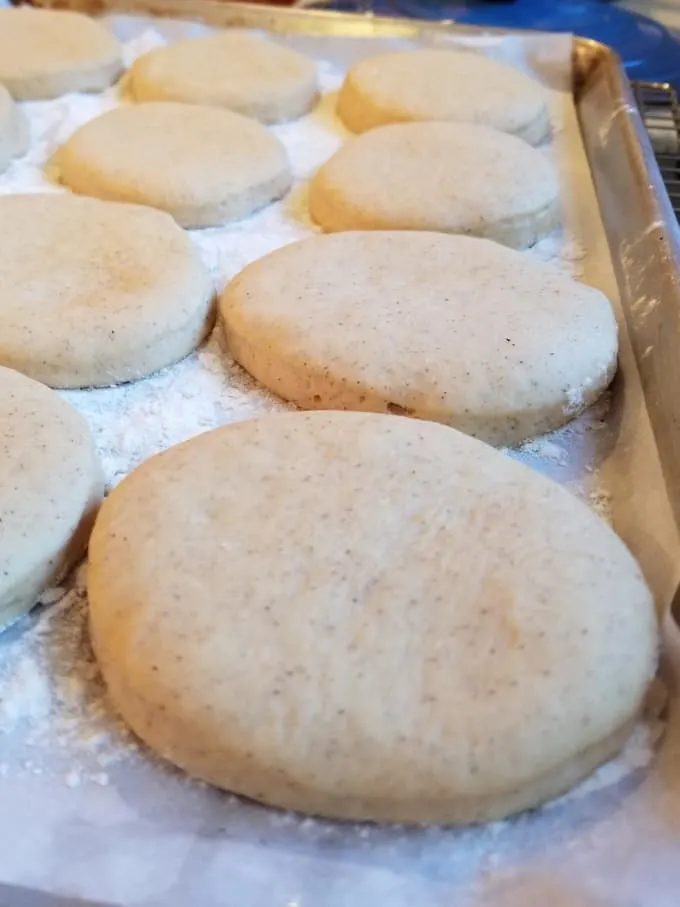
[{"x": 83, "y": 812}]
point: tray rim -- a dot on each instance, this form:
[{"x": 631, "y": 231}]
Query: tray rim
[{"x": 594, "y": 63}]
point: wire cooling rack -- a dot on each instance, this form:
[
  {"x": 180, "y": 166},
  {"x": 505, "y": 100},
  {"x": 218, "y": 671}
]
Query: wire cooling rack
[{"x": 658, "y": 103}]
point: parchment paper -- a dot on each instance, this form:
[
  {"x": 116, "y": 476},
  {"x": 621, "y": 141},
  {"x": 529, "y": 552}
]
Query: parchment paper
[{"x": 84, "y": 812}]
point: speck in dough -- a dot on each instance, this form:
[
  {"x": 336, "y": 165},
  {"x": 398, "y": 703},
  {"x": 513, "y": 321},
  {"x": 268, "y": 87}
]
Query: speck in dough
[
  {"x": 95, "y": 293},
  {"x": 48, "y": 53},
  {"x": 203, "y": 165},
  {"x": 447, "y": 177},
  {"x": 367, "y": 617},
  {"x": 257, "y": 78},
  {"x": 50, "y": 488},
  {"x": 446, "y": 85},
  {"x": 14, "y": 130},
  {"x": 449, "y": 328}
]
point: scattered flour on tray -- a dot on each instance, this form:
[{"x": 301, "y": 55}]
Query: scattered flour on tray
[
  {"x": 52, "y": 699},
  {"x": 54, "y": 716}
]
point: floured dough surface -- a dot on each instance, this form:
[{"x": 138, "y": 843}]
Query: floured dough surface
[
  {"x": 203, "y": 165},
  {"x": 96, "y": 293},
  {"x": 446, "y": 85},
  {"x": 367, "y": 617},
  {"x": 14, "y": 130},
  {"x": 446, "y": 177},
  {"x": 249, "y": 75},
  {"x": 449, "y": 328},
  {"x": 48, "y": 53},
  {"x": 50, "y": 489}
]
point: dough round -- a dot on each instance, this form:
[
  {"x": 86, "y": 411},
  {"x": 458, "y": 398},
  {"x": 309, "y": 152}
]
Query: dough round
[
  {"x": 367, "y": 617},
  {"x": 447, "y": 85},
  {"x": 202, "y": 165},
  {"x": 14, "y": 131},
  {"x": 257, "y": 78},
  {"x": 94, "y": 293},
  {"x": 448, "y": 177},
  {"x": 449, "y": 328},
  {"x": 47, "y": 53},
  {"x": 50, "y": 489}
]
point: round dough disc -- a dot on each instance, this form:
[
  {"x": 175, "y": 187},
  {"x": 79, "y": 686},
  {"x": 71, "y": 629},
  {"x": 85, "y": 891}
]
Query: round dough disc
[
  {"x": 257, "y": 78},
  {"x": 14, "y": 131},
  {"x": 434, "y": 84},
  {"x": 367, "y": 617},
  {"x": 449, "y": 328},
  {"x": 47, "y": 53},
  {"x": 95, "y": 293},
  {"x": 50, "y": 489},
  {"x": 202, "y": 165},
  {"x": 448, "y": 177}
]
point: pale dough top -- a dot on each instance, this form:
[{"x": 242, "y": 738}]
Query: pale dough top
[
  {"x": 94, "y": 292},
  {"x": 448, "y": 177},
  {"x": 50, "y": 486},
  {"x": 441, "y": 84},
  {"x": 201, "y": 164},
  {"x": 449, "y": 328},
  {"x": 364, "y": 615},
  {"x": 46, "y": 53},
  {"x": 249, "y": 75}
]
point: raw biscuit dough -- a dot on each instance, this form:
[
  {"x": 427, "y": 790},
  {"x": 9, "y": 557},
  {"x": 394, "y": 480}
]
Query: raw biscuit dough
[
  {"x": 14, "y": 131},
  {"x": 449, "y": 328},
  {"x": 95, "y": 293},
  {"x": 203, "y": 165},
  {"x": 251, "y": 76},
  {"x": 367, "y": 617},
  {"x": 447, "y": 85},
  {"x": 448, "y": 177},
  {"x": 48, "y": 53},
  {"x": 50, "y": 488}
]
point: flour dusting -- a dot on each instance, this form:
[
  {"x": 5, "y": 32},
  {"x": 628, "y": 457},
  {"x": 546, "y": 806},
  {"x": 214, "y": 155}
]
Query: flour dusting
[{"x": 55, "y": 718}]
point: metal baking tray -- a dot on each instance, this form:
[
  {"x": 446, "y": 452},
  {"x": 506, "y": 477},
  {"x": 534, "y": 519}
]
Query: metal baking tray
[{"x": 642, "y": 235}]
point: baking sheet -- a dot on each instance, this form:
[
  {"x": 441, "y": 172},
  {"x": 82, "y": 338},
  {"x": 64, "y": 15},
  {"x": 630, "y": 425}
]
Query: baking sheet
[{"x": 85, "y": 811}]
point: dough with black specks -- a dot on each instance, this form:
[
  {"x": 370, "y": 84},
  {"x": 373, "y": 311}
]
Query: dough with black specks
[
  {"x": 230, "y": 69},
  {"x": 447, "y": 177},
  {"x": 449, "y": 328},
  {"x": 15, "y": 135},
  {"x": 203, "y": 165},
  {"x": 46, "y": 53},
  {"x": 97, "y": 293},
  {"x": 445, "y": 85},
  {"x": 367, "y": 617},
  {"x": 50, "y": 488}
]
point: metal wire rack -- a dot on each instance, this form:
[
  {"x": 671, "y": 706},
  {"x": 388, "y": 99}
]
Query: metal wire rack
[{"x": 658, "y": 103}]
